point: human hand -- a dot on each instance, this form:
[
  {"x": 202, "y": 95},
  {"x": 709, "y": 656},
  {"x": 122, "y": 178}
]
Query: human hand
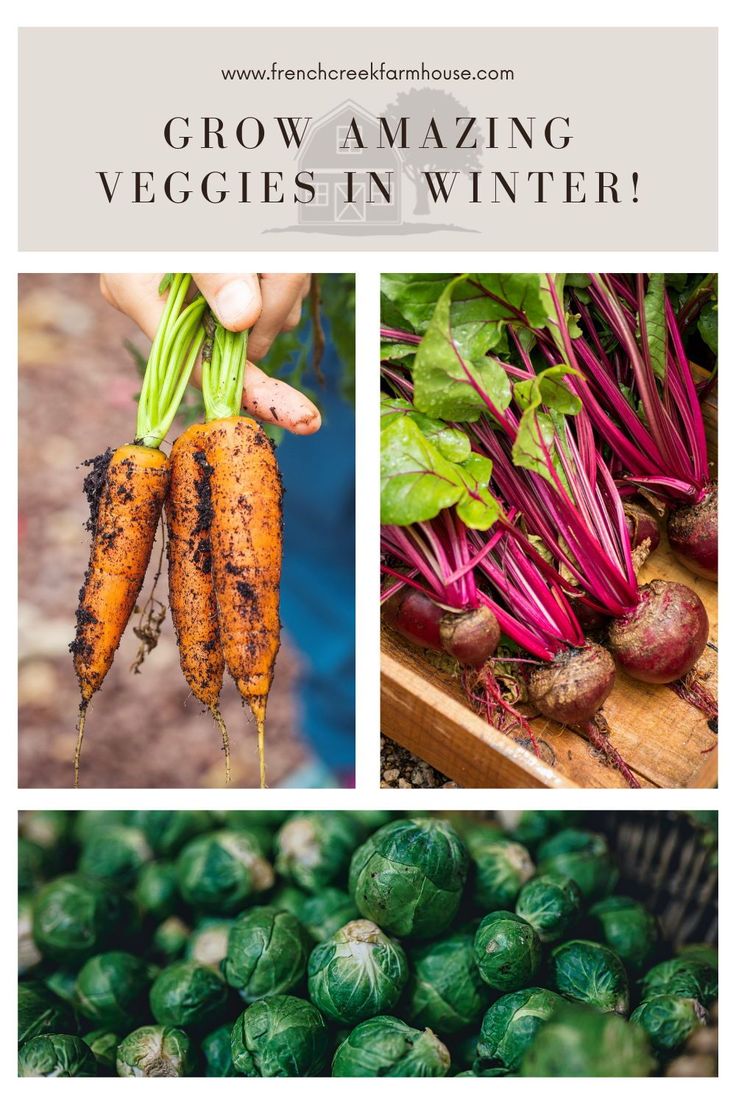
[{"x": 266, "y": 303}]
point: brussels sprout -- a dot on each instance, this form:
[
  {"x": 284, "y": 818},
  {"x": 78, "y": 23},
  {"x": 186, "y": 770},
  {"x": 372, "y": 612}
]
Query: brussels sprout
[
  {"x": 499, "y": 869},
  {"x": 56, "y": 1056},
  {"x": 186, "y": 993},
  {"x": 49, "y": 828},
  {"x": 507, "y": 951},
  {"x": 288, "y": 897},
  {"x": 329, "y": 910},
  {"x": 90, "y": 822},
  {"x": 682, "y": 977},
  {"x": 373, "y": 819},
  {"x": 167, "y": 832},
  {"x": 445, "y": 991},
  {"x": 75, "y": 917},
  {"x": 358, "y": 973},
  {"x": 387, "y": 1047},
  {"x": 280, "y": 1037},
  {"x": 263, "y": 835},
  {"x": 104, "y": 1045},
  {"x": 551, "y": 904},
  {"x": 28, "y": 953},
  {"x": 207, "y": 944},
  {"x": 476, "y": 833},
  {"x": 314, "y": 849},
  {"x": 63, "y": 984},
  {"x": 221, "y": 872},
  {"x": 626, "y": 926},
  {"x": 590, "y": 973},
  {"x": 40, "y": 1012},
  {"x": 255, "y": 818},
  {"x": 267, "y": 952},
  {"x": 409, "y": 877},
  {"x": 700, "y": 952},
  {"x": 669, "y": 1021},
  {"x": 32, "y": 861},
  {"x": 155, "y": 1051},
  {"x": 492, "y": 1071},
  {"x": 171, "y": 937},
  {"x": 115, "y": 856},
  {"x": 112, "y": 989},
  {"x": 534, "y": 827},
  {"x": 157, "y": 890},
  {"x": 582, "y": 856},
  {"x": 582, "y": 1042},
  {"x": 511, "y": 1024},
  {"x": 218, "y": 1054}
]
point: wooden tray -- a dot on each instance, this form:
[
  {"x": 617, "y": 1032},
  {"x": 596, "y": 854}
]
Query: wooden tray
[{"x": 666, "y": 742}]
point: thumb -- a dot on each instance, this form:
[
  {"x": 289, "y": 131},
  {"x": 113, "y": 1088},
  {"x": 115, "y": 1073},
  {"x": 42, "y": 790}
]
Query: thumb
[{"x": 235, "y": 297}]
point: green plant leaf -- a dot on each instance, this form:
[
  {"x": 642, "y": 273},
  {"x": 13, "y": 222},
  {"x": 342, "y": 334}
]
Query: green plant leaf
[
  {"x": 396, "y": 350},
  {"x": 478, "y": 509},
  {"x": 549, "y": 389},
  {"x": 451, "y": 376},
  {"x": 521, "y": 294},
  {"x": 708, "y": 326},
  {"x": 534, "y": 447},
  {"x": 451, "y": 441},
  {"x": 478, "y": 322},
  {"x": 416, "y": 480},
  {"x": 656, "y": 324},
  {"x": 411, "y": 297}
]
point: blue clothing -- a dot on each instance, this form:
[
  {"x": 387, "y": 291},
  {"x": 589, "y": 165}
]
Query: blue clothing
[{"x": 318, "y": 580}]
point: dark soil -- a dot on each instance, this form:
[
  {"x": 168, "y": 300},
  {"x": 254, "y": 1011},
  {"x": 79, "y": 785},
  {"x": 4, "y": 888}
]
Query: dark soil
[{"x": 400, "y": 770}]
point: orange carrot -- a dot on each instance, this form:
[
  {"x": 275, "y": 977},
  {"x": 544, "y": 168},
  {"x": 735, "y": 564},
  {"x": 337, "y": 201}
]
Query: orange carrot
[
  {"x": 126, "y": 490},
  {"x": 127, "y": 514},
  {"x": 191, "y": 588},
  {"x": 246, "y": 557},
  {"x": 245, "y": 532}
]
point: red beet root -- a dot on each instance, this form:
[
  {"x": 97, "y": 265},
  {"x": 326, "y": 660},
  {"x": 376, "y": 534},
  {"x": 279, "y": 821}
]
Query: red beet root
[
  {"x": 643, "y": 529},
  {"x": 574, "y": 686},
  {"x": 693, "y": 533},
  {"x": 591, "y": 621},
  {"x": 471, "y": 637},
  {"x": 663, "y": 637}
]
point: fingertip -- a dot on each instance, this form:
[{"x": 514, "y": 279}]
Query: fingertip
[
  {"x": 309, "y": 424},
  {"x": 237, "y": 305},
  {"x": 236, "y": 301}
]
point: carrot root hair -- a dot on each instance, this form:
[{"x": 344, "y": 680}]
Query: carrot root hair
[
  {"x": 257, "y": 706},
  {"x": 217, "y": 715},
  {"x": 80, "y": 737}
]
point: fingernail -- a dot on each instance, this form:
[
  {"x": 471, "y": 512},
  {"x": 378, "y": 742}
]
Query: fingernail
[
  {"x": 234, "y": 304},
  {"x": 310, "y": 421}
]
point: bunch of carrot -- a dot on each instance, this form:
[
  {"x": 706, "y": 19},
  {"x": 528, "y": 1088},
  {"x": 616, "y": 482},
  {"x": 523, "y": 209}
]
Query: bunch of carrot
[{"x": 221, "y": 492}]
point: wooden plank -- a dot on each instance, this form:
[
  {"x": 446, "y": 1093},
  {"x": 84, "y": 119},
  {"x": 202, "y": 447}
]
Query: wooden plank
[
  {"x": 419, "y": 713},
  {"x": 425, "y": 711}
]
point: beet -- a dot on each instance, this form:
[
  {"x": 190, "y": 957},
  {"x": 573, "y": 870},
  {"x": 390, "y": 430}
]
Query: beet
[
  {"x": 591, "y": 621},
  {"x": 643, "y": 526},
  {"x": 573, "y": 687},
  {"x": 664, "y": 636},
  {"x": 693, "y": 534},
  {"x": 470, "y": 637}
]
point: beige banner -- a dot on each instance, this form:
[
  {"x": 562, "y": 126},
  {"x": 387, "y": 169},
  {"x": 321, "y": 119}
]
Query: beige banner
[{"x": 344, "y": 139}]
